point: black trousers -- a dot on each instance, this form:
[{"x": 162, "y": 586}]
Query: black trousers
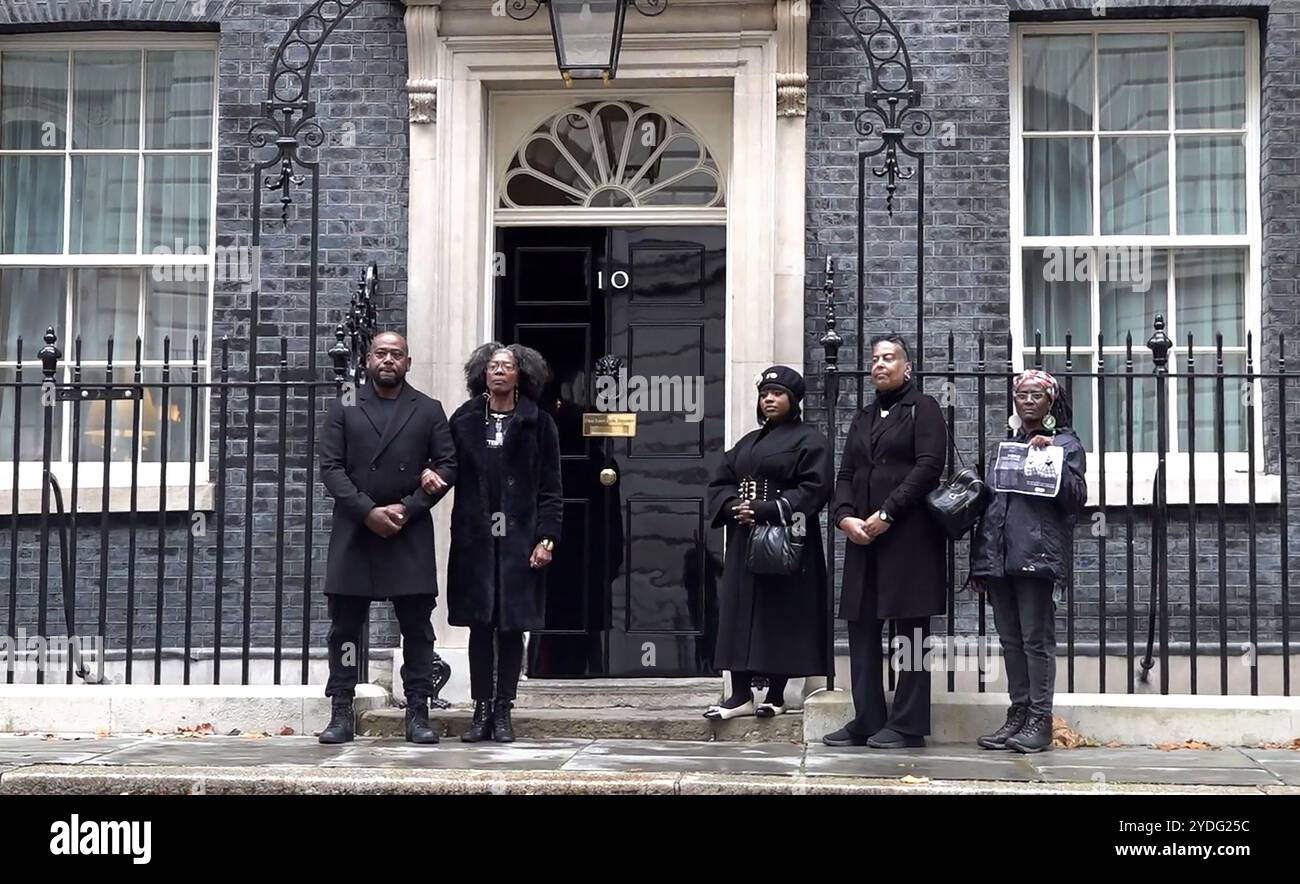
[
  {"x": 911, "y": 712},
  {"x": 485, "y": 644},
  {"x": 1025, "y": 614},
  {"x": 348, "y": 616}
]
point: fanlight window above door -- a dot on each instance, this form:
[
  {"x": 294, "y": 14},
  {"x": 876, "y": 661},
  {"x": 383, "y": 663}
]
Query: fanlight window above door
[{"x": 612, "y": 154}]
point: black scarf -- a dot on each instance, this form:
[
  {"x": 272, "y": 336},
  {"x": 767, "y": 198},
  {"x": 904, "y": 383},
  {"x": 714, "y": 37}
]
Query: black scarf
[{"x": 886, "y": 398}]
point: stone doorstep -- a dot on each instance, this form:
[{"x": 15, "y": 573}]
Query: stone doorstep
[
  {"x": 1126, "y": 719},
  {"x": 601, "y": 724},
  {"x": 133, "y": 709}
]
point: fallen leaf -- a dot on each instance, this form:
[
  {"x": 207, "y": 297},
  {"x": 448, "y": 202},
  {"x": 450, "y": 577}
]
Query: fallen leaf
[
  {"x": 256, "y": 735},
  {"x": 1064, "y": 737},
  {"x": 101, "y": 733},
  {"x": 1294, "y": 745},
  {"x": 1185, "y": 744},
  {"x": 286, "y": 731},
  {"x": 203, "y": 730},
  {"x": 1114, "y": 744},
  {"x": 914, "y": 781},
  {"x": 234, "y": 732},
  {"x": 49, "y": 737}
]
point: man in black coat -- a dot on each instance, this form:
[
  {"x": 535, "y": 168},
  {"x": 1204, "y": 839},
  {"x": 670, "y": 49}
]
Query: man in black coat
[{"x": 375, "y": 444}]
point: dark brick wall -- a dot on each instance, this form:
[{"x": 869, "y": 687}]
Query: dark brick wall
[
  {"x": 960, "y": 54},
  {"x": 358, "y": 84}
]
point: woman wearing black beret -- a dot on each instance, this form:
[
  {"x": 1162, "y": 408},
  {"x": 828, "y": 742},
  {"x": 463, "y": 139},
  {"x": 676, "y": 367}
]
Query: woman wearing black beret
[{"x": 772, "y": 625}]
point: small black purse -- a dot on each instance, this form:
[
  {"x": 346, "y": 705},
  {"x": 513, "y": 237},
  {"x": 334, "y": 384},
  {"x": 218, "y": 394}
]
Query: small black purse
[
  {"x": 960, "y": 502},
  {"x": 774, "y": 549}
]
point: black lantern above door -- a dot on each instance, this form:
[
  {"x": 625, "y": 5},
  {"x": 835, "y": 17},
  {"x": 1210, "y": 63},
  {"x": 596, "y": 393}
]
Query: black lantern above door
[{"x": 588, "y": 33}]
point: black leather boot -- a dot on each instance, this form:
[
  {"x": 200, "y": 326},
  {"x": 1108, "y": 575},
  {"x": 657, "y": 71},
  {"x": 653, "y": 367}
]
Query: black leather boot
[
  {"x": 998, "y": 739},
  {"x": 1035, "y": 736},
  {"x": 343, "y": 722},
  {"x": 417, "y": 721},
  {"x": 480, "y": 728},
  {"x": 503, "y": 731}
]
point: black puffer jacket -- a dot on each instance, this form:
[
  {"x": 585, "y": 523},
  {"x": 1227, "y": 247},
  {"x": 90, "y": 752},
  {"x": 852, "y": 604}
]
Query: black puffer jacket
[{"x": 1025, "y": 536}]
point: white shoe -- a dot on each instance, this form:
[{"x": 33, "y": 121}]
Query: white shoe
[
  {"x": 721, "y": 713},
  {"x": 768, "y": 710}
]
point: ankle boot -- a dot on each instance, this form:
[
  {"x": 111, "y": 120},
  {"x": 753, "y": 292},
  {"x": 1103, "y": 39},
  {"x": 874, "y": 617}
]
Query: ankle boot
[
  {"x": 1035, "y": 736},
  {"x": 480, "y": 728},
  {"x": 343, "y": 722},
  {"x": 998, "y": 739},
  {"x": 418, "y": 729},
  {"x": 503, "y": 730}
]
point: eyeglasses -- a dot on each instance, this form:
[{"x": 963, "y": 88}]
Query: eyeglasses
[{"x": 502, "y": 365}]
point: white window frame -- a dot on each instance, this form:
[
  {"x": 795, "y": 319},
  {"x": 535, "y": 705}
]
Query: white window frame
[
  {"x": 90, "y": 480},
  {"x": 1268, "y": 488}
]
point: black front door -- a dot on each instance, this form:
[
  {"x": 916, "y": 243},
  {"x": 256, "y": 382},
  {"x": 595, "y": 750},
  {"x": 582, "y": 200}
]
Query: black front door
[{"x": 631, "y": 321}]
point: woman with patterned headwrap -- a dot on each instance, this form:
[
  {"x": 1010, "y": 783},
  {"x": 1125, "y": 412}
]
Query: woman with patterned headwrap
[{"x": 1019, "y": 551}]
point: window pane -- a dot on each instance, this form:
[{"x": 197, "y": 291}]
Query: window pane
[
  {"x": 1079, "y": 389},
  {"x": 1210, "y": 80},
  {"x": 31, "y": 432},
  {"x": 106, "y": 96},
  {"x": 1133, "y": 87},
  {"x": 1211, "y": 296},
  {"x": 176, "y": 305},
  {"x": 1134, "y": 185},
  {"x": 179, "y": 100},
  {"x": 177, "y": 203},
  {"x": 32, "y": 299},
  {"x": 106, "y": 302},
  {"x": 1207, "y": 399},
  {"x": 33, "y": 100},
  {"x": 120, "y": 414},
  {"x": 1144, "y": 402},
  {"x": 1134, "y": 287},
  {"x": 1058, "y": 83},
  {"x": 31, "y": 205},
  {"x": 104, "y": 204},
  {"x": 1211, "y": 184},
  {"x": 173, "y": 409},
  {"x": 1056, "y": 299},
  {"x": 1058, "y": 186}
]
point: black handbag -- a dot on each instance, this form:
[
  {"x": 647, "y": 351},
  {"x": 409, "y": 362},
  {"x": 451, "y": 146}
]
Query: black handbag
[
  {"x": 774, "y": 549},
  {"x": 960, "y": 502}
]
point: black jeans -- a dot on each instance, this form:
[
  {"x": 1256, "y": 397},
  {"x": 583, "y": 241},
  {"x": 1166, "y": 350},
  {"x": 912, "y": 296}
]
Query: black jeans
[
  {"x": 509, "y": 654},
  {"x": 348, "y": 615},
  {"x": 911, "y": 712},
  {"x": 1025, "y": 614}
]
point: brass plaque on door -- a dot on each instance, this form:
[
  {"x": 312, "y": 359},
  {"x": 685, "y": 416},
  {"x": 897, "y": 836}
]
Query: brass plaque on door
[{"x": 609, "y": 424}]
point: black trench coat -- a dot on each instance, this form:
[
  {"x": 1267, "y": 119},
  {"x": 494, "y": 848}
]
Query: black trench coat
[
  {"x": 770, "y": 623},
  {"x": 532, "y": 501},
  {"x": 366, "y": 462},
  {"x": 894, "y": 463}
]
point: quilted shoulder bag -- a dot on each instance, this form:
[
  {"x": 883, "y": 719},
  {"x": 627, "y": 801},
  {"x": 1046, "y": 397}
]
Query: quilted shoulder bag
[
  {"x": 960, "y": 502},
  {"x": 775, "y": 549}
]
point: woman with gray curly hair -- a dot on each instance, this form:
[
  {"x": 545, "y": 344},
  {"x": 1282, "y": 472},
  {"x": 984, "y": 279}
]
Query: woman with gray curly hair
[{"x": 505, "y": 523}]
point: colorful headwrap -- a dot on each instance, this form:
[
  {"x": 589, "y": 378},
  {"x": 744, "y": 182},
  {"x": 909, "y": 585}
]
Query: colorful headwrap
[{"x": 1040, "y": 377}]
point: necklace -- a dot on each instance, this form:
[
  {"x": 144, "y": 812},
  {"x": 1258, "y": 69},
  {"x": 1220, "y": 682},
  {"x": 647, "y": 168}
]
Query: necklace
[{"x": 499, "y": 417}]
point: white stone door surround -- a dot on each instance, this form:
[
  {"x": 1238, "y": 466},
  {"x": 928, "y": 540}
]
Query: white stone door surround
[{"x": 462, "y": 57}]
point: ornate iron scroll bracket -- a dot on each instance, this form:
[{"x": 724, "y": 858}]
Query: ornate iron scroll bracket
[
  {"x": 523, "y": 10},
  {"x": 894, "y": 96}
]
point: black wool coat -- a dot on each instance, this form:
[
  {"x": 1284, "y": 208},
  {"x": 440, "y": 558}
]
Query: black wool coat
[
  {"x": 893, "y": 463},
  {"x": 368, "y": 462},
  {"x": 771, "y": 623},
  {"x": 533, "y": 507},
  {"x": 1025, "y": 536}
]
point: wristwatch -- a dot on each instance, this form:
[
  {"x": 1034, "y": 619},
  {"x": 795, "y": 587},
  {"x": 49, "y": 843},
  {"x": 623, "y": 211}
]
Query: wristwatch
[
  {"x": 886, "y": 517},
  {"x": 548, "y": 544}
]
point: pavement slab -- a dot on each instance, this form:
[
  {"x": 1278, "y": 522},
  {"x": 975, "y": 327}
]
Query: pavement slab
[
  {"x": 931, "y": 762},
  {"x": 661, "y": 756},
  {"x": 1213, "y": 767},
  {"x": 532, "y": 755}
]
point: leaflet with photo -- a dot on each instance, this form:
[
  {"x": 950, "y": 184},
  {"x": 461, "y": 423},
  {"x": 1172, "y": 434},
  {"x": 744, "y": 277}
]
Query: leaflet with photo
[{"x": 1022, "y": 469}]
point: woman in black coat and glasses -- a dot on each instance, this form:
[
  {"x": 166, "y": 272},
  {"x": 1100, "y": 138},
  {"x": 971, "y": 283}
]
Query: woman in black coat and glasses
[
  {"x": 772, "y": 625},
  {"x": 505, "y": 524}
]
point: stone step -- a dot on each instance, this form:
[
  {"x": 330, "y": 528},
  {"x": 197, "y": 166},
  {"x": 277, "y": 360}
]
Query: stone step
[
  {"x": 600, "y": 724},
  {"x": 615, "y": 693}
]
